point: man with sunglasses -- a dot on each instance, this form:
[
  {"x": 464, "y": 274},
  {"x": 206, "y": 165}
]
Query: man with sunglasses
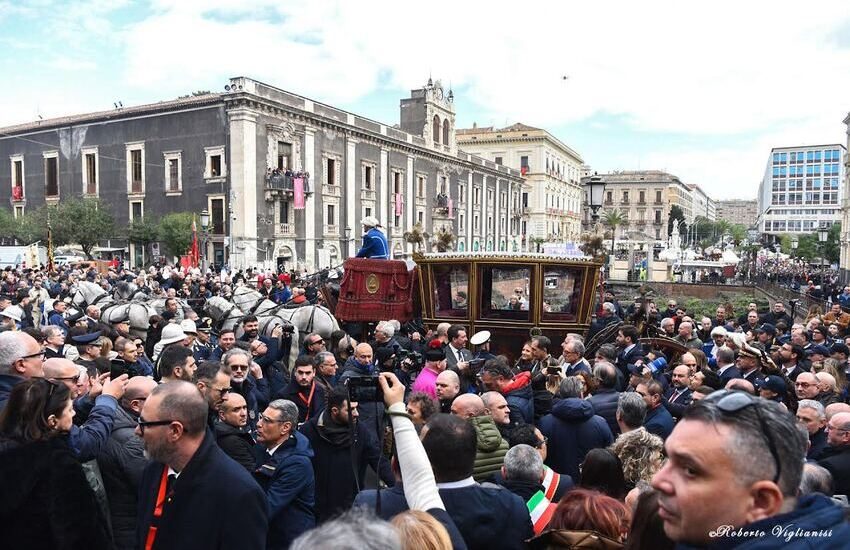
[
  {"x": 192, "y": 495},
  {"x": 213, "y": 380},
  {"x": 247, "y": 380},
  {"x": 836, "y": 456},
  {"x": 21, "y": 358},
  {"x": 731, "y": 478}
]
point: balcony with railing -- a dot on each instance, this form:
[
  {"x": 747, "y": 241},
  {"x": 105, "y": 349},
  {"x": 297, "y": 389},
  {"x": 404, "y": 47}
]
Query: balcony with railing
[
  {"x": 286, "y": 229},
  {"x": 277, "y": 181},
  {"x": 332, "y": 230},
  {"x": 367, "y": 194}
]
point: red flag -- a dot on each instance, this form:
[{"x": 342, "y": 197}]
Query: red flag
[{"x": 195, "y": 253}]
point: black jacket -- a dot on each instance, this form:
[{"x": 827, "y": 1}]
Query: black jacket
[
  {"x": 488, "y": 516},
  {"x": 604, "y": 403},
  {"x": 215, "y": 503},
  {"x": 837, "y": 461},
  {"x": 336, "y": 485},
  {"x": 292, "y": 392},
  {"x": 573, "y": 429},
  {"x": 47, "y": 502},
  {"x": 236, "y": 443},
  {"x": 122, "y": 462}
]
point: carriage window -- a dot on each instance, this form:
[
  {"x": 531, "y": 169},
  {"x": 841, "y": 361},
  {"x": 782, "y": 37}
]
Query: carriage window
[
  {"x": 561, "y": 293},
  {"x": 504, "y": 292},
  {"x": 451, "y": 290}
]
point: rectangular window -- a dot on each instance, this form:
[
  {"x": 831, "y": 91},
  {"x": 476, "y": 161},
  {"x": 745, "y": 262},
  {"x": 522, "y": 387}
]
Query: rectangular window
[
  {"x": 561, "y": 293},
  {"x": 216, "y": 164},
  {"x": 90, "y": 173},
  {"x": 658, "y": 197},
  {"x": 498, "y": 160},
  {"x": 504, "y": 292},
  {"x": 330, "y": 172},
  {"x": 136, "y": 170},
  {"x": 367, "y": 211},
  {"x": 284, "y": 211},
  {"x": 173, "y": 172},
  {"x": 420, "y": 217},
  {"x": 476, "y": 195},
  {"x": 217, "y": 216},
  {"x": 523, "y": 162},
  {"x": 17, "y": 167},
  {"x": 51, "y": 176},
  {"x": 331, "y": 216},
  {"x": 396, "y": 182},
  {"x": 367, "y": 177},
  {"x": 658, "y": 216},
  {"x": 476, "y": 223},
  {"x": 451, "y": 289},
  {"x": 420, "y": 187},
  {"x": 136, "y": 210},
  {"x": 609, "y": 197},
  {"x": 625, "y": 197},
  {"x": 642, "y": 197},
  {"x": 444, "y": 185},
  {"x": 284, "y": 153},
  {"x": 19, "y": 211},
  {"x": 461, "y": 193}
]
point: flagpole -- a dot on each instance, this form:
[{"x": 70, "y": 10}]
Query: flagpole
[{"x": 50, "y": 265}]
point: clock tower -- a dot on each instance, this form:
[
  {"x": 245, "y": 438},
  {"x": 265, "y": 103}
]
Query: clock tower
[{"x": 429, "y": 112}]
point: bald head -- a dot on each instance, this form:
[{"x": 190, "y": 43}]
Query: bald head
[
  {"x": 182, "y": 402},
  {"x": 468, "y": 406},
  {"x": 137, "y": 391},
  {"x": 835, "y": 408},
  {"x": 447, "y": 385},
  {"x": 232, "y": 401},
  {"x": 57, "y": 367},
  {"x": 826, "y": 381},
  {"x": 363, "y": 354}
]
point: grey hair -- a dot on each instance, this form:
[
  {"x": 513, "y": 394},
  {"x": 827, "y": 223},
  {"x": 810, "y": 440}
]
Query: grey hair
[
  {"x": 748, "y": 446},
  {"x": 356, "y": 529},
  {"x": 578, "y": 347},
  {"x": 816, "y": 406},
  {"x": 605, "y": 373},
  {"x": 609, "y": 307},
  {"x": 631, "y": 409},
  {"x": 571, "y": 386},
  {"x": 523, "y": 463},
  {"x": 816, "y": 479},
  {"x": 718, "y": 331},
  {"x": 608, "y": 351},
  {"x": 235, "y": 352},
  {"x": 49, "y": 331},
  {"x": 288, "y": 411},
  {"x": 320, "y": 358},
  {"x": 387, "y": 328},
  {"x": 13, "y": 346},
  {"x": 725, "y": 355}
]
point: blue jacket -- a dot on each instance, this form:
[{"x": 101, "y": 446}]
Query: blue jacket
[
  {"x": 521, "y": 404},
  {"x": 659, "y": 421},
  {"x": 7, "y": 382},
  {"x": 573, "y": 429},
  {"x": 375, "y": 245},
  {"x": 288, "y": 480},
  {"x": 817, "y": 514},
  {"x": 55, "y": 318},
  {"x": 257, "y": 397}
]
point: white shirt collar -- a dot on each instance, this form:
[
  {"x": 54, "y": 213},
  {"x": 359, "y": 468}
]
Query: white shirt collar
[
  {"x": 628, "y": 349},
  {"x": 468, "y": 482},
  {"x": 172, "y": 472},
  {"x": 273, "y": 449},
  {"x": 723, "y": 369}
]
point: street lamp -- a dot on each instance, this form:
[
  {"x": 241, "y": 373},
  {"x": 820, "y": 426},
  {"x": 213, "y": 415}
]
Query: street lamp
[
  {"x": 205, "y": 229},
  {"x": 594, "y": 190},
  {"x": 794, "y": 244},
  {"x": 823, "y": 235}
]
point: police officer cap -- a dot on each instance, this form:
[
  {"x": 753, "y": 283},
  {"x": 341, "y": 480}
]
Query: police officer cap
[
  {"x": 87, "y": 338},
  {"x": 480, "y": 337},
  {"x": 839, "y": 347},
  {"x": 819, "y": 350}
]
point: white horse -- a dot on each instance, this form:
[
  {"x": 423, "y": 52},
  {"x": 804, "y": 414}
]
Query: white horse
[
  {"x": 308, "y": 318},
  {"x": 137, "y": 314},
  {"x": 227, "y": 315}
]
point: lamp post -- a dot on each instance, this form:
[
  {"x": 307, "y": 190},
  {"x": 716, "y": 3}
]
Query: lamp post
[
  {"x": 823, "y": 235},
  {"x": 347, "y": 232},
  {"x": 205, "y": 231},
  {"x": 594, "y": 190}
]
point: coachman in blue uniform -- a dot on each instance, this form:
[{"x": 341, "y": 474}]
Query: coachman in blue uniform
[{"x": 375, "y": 244}]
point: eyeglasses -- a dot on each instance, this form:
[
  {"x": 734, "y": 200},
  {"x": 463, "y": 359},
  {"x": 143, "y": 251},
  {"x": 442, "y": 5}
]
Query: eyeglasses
[
  {"x": 731, "y": 402},
  {"x": 223, "y": 391},
  {"x": 265, "y": 418},
  {"x": 32, "y": 355},
  {"x": 239, "y": 367},
  {"x": 147, "y": 424},
  {"x": 317, "y": 342},
  {"x": 834, "y": 429},
  {"x": 73, "y": 379},
  {"x": 542, "y": 442},
  {"x": 804, "y": 384}
]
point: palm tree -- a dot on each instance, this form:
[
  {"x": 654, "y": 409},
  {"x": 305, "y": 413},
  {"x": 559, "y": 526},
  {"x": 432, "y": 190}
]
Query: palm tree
[
  {"x": 613, "y": 219},
  {"x": 721, "y": 228},
  {"x": 416, "y": 236},
  {"x": 738, "y": 233},
  {"x": 444, "y": 239}
]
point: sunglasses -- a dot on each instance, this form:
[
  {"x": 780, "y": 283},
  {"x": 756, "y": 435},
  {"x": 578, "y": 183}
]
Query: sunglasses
[
  {"x": 73, "y": 379},
  {"x": 732, "y": 402},
  {"x": 147, "y": 424},
  {"x": 317, "y": 342},
  {"x": 31, "y": 355},
  {"x": 239, "y": 367}
]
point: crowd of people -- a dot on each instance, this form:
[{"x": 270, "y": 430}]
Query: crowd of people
[{"x": 192, "y": 436}]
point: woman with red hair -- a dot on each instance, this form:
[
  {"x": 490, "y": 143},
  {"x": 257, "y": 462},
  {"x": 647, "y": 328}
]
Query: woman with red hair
[{"x": 586, "y": 519}]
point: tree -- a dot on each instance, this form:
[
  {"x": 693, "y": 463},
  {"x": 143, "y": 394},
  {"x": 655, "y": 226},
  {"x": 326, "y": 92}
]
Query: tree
[
  {"x": 444, "y": 239},
  {"x": 8, "y": 224},
  {"x": 416, "y": 236},
  {"x": 32, "y": 227},
  {"x": 175, "y": 232},
  {"x": 705, "y": 229},
  {"x": 144, "y": 232},
  {"x": 676, "y": 216},
  {"x": 613, "y": 219},
  {"x": 832, "y": 246},
  {"x": 738, "y": 233},
  {"x": 721, "y": 229},
  {"x": 83, "y": 221}
]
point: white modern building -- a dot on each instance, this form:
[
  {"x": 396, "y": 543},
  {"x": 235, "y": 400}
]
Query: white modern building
[{"x": 801, "y": 188}]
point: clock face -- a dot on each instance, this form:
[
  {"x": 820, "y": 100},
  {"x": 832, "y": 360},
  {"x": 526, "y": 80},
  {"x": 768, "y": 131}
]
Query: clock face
[{"x": 439, "y": 93}]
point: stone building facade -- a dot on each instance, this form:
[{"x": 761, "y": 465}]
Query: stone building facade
[
  {"x": 239, "y": 154},
  {"x": 737, "y": 211},
  {"x": 552, "y": 196}
]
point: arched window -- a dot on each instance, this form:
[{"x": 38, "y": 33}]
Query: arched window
[
  {"x": 436, "y": 129},
  {"x": 446, "y": 132}
]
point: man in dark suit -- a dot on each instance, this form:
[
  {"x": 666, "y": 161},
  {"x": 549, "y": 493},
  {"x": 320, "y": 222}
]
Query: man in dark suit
[
  {"x": 726, "y": 368},
  {"x": 678, "y": 395},
  {"x": 658, "y": 420},
  {"x": 458, "y": 357},
  {"x": 190, "y": 480},
  {"x": 791, "y": 355},
  {"x": 630, "y": 350}
]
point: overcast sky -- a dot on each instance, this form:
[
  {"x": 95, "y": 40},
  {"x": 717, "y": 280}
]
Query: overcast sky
[{"x": 702, "y": 90}]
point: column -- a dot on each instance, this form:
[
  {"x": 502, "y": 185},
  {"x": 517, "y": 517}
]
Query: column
[
  {"x": 484, "y": 214},
  {"x": 384, "y": 192},
  {"x": 310, "y": 203},
  {"x": 410, "y": 200},
  {"x": 243, "y": 184},
  {"x": 469, "y": 199},
  {"x": 497, "y": 217},
  {"x": 351, "y": 197}
]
